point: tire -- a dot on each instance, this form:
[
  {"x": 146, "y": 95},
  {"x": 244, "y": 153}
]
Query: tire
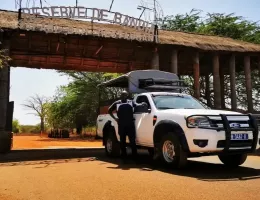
[
  {"x": 112, "y": 146},
  {"x": 233, "y": 161},
  {"x": 179, "y": 160},
  {"x": 151, "y": 152}
]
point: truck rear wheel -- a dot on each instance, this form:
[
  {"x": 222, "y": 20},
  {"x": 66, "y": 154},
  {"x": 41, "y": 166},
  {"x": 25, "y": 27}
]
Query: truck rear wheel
[
  {"x": 171, "y": 152},
  {"x": 112, "y": 146},
  {"x": 151, "y": 152},
  {"x": 233, "y": 160}
]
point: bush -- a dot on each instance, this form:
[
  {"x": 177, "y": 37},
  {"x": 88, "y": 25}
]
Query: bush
[
  {"x": 15, "y": 126},
  {"x": 30, "y": 129}
]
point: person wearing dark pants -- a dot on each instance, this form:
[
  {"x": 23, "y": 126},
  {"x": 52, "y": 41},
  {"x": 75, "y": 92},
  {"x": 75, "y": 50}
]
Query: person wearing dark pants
[
  {"x": 125, "y": 120},
  {"x": 127, "y": 130}
]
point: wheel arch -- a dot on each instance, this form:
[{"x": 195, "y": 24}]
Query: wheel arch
[
  {"x": 165, "y": 126},
  {"x": 106, "y": 130}
]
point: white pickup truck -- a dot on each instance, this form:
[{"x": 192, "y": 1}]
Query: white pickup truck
[{"x": 177, "y": 126}]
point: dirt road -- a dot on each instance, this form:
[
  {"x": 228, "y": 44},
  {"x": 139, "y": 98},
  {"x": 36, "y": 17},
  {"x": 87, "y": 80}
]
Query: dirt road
[
  {"x": 98, "y": 177},
  {"x": 31, "y": 142}
]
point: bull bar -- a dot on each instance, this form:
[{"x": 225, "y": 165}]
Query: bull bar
[{"x": 252, "y": 122}]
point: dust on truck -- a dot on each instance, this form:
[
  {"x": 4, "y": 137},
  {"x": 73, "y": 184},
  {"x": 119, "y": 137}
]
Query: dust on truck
[{"x": 177, "y": 126}]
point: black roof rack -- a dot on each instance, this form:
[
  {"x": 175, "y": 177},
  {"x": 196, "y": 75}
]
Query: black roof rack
[
  {"x": 161, "y": 84},
  {"x": 147, "y": 80}
]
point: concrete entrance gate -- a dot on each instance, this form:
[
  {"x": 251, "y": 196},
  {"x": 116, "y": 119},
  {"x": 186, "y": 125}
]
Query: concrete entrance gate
[{"x": 115, "y": 48}]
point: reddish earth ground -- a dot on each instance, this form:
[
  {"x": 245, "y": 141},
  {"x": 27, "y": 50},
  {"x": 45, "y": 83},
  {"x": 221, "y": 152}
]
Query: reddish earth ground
[
  {"x": 100, "y": 178},
  {"x": 35, "y": 141}
]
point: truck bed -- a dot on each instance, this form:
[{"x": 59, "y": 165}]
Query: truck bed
[{"x": 101, "y": 121}]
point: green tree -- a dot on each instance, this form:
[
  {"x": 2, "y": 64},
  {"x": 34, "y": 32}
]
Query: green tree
[
  {"x": 229, "y": 25},
  {"x": 189, "y": 22},
  {"x": 15, "y": 126},
  {"x": 75, "y": 105}
]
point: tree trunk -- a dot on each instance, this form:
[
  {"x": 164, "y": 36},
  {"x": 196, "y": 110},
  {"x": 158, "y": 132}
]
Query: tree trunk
[
  {"x": 42, "y": 125},
  {"x": 79, "y": 129}
]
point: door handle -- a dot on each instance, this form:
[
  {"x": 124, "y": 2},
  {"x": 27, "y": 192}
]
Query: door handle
[{"x": 100, "y": 120}]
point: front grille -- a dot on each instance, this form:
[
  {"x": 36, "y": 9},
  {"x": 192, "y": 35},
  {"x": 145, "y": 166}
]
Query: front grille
[
  {"x": 235, "y": 143},
  {"x": 219, "y": 123}
]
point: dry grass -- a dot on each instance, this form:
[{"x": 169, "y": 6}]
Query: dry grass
[
  {"x": 9, "y": 20},
  {"x": 206, "y": 42}
]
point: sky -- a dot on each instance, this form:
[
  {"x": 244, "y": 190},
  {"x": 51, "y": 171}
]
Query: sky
[{"x": 27, "y": 82}]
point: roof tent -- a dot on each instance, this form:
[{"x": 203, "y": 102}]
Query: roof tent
[{"x": 147, "y": 80}]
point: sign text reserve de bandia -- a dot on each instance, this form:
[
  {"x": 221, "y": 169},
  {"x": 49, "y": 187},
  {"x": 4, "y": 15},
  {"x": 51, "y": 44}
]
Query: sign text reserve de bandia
[{"x": 92, "y": 14}]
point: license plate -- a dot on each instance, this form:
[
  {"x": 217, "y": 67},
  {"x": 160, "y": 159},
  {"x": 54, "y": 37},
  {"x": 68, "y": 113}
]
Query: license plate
[{"x": 239, "y": 136}]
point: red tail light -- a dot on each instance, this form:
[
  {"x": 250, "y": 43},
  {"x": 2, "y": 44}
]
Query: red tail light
[{"x": 154, "y": 119}]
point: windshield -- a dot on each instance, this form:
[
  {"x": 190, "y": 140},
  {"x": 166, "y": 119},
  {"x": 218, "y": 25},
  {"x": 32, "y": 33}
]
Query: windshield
[{"x": 176, "y": 102}]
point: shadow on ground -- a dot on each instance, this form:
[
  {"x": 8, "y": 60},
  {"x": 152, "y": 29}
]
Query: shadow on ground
[{"x": 200, "y": 170}]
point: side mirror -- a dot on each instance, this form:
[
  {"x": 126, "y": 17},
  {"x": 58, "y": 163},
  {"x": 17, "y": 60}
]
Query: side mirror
[{"x": 143, "y": 108}]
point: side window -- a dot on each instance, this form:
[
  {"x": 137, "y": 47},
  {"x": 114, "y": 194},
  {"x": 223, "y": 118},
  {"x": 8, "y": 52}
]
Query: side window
[{"x": 142, "y": 99}]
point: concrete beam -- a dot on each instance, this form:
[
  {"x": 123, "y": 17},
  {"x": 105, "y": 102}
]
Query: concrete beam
[
  {"x": 174, "y": 62},
  {"x": 196, "y": 75},
  {"x": 4, "y": 89},
  {"x": 155, "y": 60},
  {"x": 5, "y": 137},
  {"x": 232, "y": 73},
  {"x": 207, "y": 90},
  {"x": 258, "y": 63},
  {"x": 247, "y": 68},
  {"x": 216, "y": 82},
  {"x": 222, "y": 88}
]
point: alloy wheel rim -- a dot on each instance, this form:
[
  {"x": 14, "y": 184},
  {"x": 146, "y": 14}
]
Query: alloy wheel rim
[
  {"x": 168, "y": 151},
  {"x": 109, "y": 145}
]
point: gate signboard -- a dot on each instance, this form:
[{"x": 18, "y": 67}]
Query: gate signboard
[{"x": 30, "y": 18}]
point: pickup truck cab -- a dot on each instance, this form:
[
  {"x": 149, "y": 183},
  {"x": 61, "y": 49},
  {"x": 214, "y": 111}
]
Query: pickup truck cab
[{"x": 176, "y": 126}]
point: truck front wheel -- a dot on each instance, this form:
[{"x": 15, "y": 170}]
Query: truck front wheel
[
  {"x": 233, "y": 160},
  {"x": 171, "y": 152},
  {"x": 112, "y": 146}
]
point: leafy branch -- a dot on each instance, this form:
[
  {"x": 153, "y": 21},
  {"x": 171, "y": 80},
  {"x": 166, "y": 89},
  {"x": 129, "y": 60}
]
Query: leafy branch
[{"x": 4, "y": 59}]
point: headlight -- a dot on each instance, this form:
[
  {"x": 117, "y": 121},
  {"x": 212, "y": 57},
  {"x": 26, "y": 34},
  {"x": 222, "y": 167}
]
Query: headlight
[{"x": 198, "y": 121}]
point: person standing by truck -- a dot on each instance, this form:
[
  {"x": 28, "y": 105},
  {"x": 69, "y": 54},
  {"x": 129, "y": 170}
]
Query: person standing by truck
[{"x": 125, "y": 119}]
